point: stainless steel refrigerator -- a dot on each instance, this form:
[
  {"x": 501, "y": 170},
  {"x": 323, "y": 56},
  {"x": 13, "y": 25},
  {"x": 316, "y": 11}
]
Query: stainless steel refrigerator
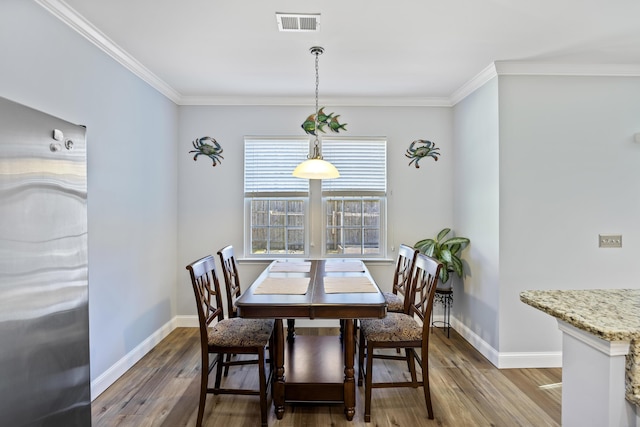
[{"x": 44, "y": 319}]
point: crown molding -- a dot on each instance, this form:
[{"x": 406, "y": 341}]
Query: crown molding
[
  {"x": 299, "y": 101},
  {"x": 73, "y": 19},
  {"x": 520, "y": 68},
  {"x": 475, "y": 83}
]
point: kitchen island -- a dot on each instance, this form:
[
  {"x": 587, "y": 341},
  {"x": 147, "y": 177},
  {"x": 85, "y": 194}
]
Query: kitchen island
[{"x": 600, "y": 354}]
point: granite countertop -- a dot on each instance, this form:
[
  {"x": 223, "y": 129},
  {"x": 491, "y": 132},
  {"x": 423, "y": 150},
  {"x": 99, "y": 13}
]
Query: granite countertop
[{"x": 610, "y": 314}]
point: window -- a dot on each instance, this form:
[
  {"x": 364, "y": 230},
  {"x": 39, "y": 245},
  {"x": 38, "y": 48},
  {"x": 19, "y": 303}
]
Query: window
[
  {"x": 354, "y": 204},
  {"x": 275, "y": 202},
  {"x": 284, "y": 215}
]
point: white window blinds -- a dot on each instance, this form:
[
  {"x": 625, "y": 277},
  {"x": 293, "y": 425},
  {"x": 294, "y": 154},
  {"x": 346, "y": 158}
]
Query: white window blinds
[
  {"x": 268, "y": 164},
  {"x": 362, "y": 164}
]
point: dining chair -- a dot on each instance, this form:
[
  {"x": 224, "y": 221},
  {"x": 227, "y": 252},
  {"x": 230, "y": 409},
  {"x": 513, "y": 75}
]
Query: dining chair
[
  {"x": 231, "y": 278},
  {"x": 220, "y": 336},
  {"x": 232, "y": 281},
  {"x": 396, "y": 299},
  {"x": 400, "y": 330},
  {"x": 232, "y": 287}
]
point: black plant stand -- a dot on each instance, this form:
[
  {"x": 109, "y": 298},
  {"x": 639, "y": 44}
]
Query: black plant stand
[{"x": 445, "y": 297}]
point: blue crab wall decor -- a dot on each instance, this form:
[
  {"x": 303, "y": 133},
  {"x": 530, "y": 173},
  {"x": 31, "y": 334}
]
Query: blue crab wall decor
[
  {"x": 427, "y": 149},
  {"x": 203, "y": 148}
]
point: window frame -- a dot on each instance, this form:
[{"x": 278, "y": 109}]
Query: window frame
[
  {"x": 377, "y": 192},
  {"x": 253, "y": 191},
  {"x": 382, "y": 227},
  {"x": 249, "y": 227},
  {"x": 316, "y": 197}
]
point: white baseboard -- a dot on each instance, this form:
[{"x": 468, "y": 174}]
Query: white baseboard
[
  {"x": 186, "y": 321},
  {"x": 476, "y": 341},
  {"x": 192, "y": 322},
  {"x": 110, "y": 376},
  {"x": 550, "y": 359},
  {"x": 504, "y": 360},
  {"x": 317, "y": 323}
]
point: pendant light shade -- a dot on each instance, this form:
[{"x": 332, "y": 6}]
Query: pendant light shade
[{"x": 315, "y": 167}]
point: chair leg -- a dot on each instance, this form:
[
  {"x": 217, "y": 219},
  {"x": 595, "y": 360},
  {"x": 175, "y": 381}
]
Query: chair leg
[
  {"x": 355, "y": 332},
  {"x": 411, "y": 362},
  {"x": 368, "y": 383},
  {"x": 226, "y": 368},
  {"x": 272, "y": 356},
  {"x": 263, "y": 388},
  {"x": 219, "y": 360},
  {"x": 425, "y": 381},
  {"x": 204, "y": 383},
  {"x": 361, "y": 359}
]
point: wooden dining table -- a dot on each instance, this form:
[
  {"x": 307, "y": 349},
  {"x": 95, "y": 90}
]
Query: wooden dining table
[{"x": 314, "y": 368}]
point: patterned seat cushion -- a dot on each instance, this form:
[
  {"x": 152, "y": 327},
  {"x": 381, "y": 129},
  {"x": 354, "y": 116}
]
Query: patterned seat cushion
[
  {"x": 394, "y": 302},
  {"x": 395, "y": 327},
  {"x": 238, "y": 332}
]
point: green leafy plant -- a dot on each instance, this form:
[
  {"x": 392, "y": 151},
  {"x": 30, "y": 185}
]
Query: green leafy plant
[{"x": 446, "y": 251}]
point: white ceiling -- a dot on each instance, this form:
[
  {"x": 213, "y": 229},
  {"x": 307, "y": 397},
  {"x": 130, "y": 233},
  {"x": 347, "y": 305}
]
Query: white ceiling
[{"x": 413, "y": 50}]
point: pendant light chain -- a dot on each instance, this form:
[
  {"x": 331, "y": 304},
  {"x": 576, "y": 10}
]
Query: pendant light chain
[
  {"x": 317, "y": 85},
  {"x": 316, "y": 50},
  {"x": 315, "y": 167}
]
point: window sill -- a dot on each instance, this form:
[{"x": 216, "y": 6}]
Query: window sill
[{"x": 265, "y": 261}]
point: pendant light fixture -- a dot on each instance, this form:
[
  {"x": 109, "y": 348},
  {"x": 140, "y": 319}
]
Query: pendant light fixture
[{"x": 315, "y": 167}]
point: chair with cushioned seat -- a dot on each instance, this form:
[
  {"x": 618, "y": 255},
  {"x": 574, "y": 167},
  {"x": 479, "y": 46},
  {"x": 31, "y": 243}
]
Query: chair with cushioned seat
[
  {"x": 399, "y": 330},
  {"x": 231, "y": 278},
  {"x": 232, "y": 281},
  {"x": 396, "y": 299},
  {"x": 220, "y": 336}
]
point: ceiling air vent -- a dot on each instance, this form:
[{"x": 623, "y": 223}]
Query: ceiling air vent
[{"x": 298, "y": 21}]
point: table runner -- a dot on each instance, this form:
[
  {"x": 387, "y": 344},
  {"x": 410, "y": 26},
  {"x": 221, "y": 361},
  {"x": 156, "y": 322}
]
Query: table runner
[
  {"x": 283, "y": 286},
  {"x": 344, "y": 266},
  {"x": 334, "y": 285},
  {"x": 291, "y": 267}
]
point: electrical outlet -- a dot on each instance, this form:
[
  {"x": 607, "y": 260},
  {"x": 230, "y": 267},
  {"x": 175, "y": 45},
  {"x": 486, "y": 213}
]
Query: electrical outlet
[{"x": 610, "y": 240}]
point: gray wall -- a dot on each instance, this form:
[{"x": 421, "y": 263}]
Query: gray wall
[
  {"x": 132, "y": 171},
  {"x": 476, "y": 211},
  {"x": 211, "y": 198},
  {"x": 543, "y": 165},
  {"x": 568, "y": 171}
]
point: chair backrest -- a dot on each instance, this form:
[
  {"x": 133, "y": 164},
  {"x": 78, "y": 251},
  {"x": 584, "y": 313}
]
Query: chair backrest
[
  {"x": 403, "y": 274},
  {"x": 425, "y": 281},
  {"x": 206, "y": 289},
  {"x": 231, "y": 278}
]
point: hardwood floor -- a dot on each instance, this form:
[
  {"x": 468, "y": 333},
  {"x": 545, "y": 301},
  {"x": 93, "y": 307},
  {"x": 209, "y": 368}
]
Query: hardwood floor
[{"x": 466, "y": 390}]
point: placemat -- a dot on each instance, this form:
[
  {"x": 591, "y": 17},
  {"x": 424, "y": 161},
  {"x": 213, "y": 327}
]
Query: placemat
[
  {"x": 334, "y": 285},
  {"x": 344, "y": 266},
  {"x": 283, "y": 286},
  {"x": 291, "y": 267}
]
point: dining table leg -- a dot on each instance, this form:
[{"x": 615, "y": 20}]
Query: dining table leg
[
  {"x": 349, "y": 377},
  {"x": 278, "y": 382},
  {"x": 291, "y": 329}
]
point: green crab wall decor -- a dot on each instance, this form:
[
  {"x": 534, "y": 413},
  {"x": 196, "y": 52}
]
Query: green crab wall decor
[
  {"x": 427, "y": 149},
  {"x": 203, "y": 148},
  {"x": 309, "y": 125}
]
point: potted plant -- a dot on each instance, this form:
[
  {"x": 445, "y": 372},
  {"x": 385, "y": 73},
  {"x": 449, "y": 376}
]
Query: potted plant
[{"x": 446, "y": 251}]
